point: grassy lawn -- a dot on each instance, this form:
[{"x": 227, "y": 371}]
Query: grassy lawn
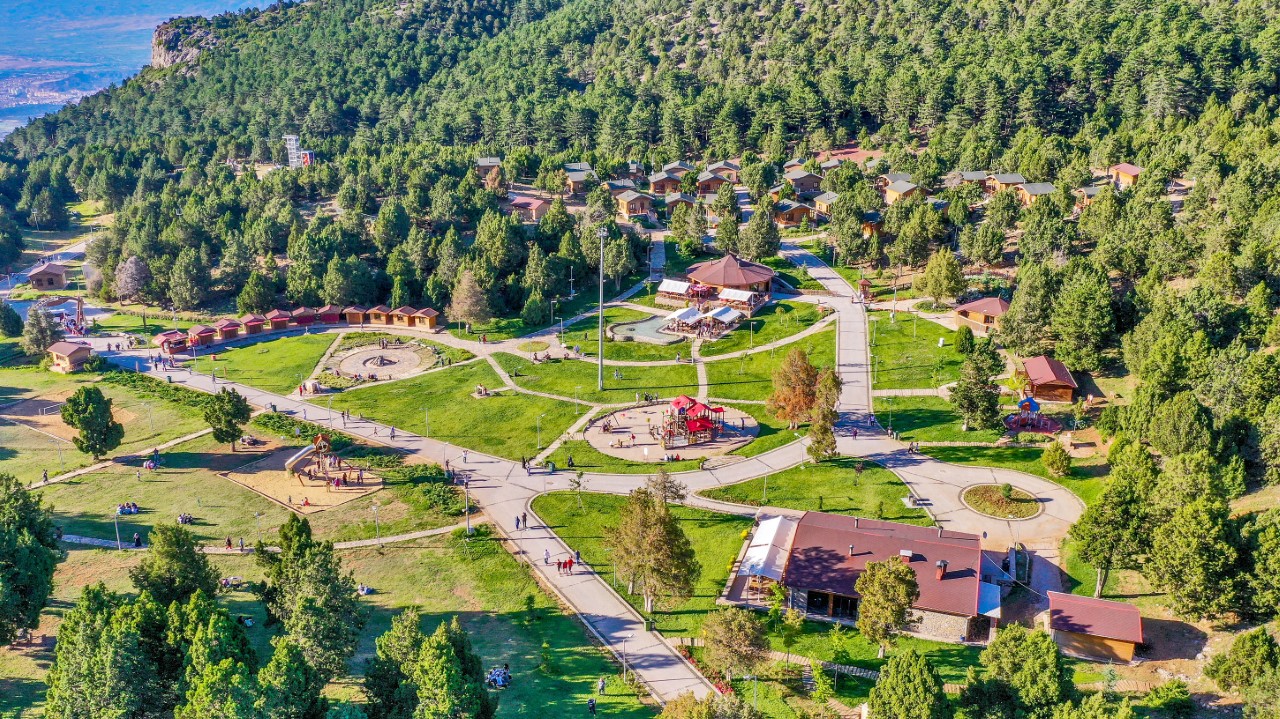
[
  {"x": 186, "y": 482},
  {"x": 1087, "y": 478},
  {"x": 26, "y": 452},
  {"x": 11, "y": 352},
  {"x": 716, "y": 539},
  {"x": 553, "y": 663},
  {"x": 795, "y": 276},
  {"x": 847, "y": 646},
  {"x": 155, "y": 324},
  {"x": 590, "y": 459},
  {"x": 275, "y": 365},
  {"x": 989, "y": 499},
  {"x": 832, "y": 486},
  {"x": 751, "y": 378},
  {"x": 927, "y": 419},
  {"x": 503, "y": 425},
  {"x": 585, "y": 334},
  {"x": 577, "y": 379},
  {"x": 770, "y": 325},
  {"x": 907, "y": 354}
]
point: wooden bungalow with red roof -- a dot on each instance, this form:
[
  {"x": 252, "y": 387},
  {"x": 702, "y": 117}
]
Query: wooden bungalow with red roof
[
  {"x": 426, "y": 318},
  {"x": 199, "y": 335},
  {"x": 380, "y": 315},
  {"x": 1048, "y": 379},
  {"x": 1094, "y": 628},
  {"x": 68, "y": 357},
  {"x": 227, "y": 329},
  {"x": 252, "y": 323},
  {"x": 279, "y": 319},
  {"x": 304, "y": 316},
  {"x": 330, "y": 314},
  {"x": 983, "y": 314},
  {"x": 403, "y": 316},
  {"x": 1124, "y": 175},
  {"x": 730, "y": 272},
  {"x": 171, "y": 341},
  {"x": 355, "y": 314}
]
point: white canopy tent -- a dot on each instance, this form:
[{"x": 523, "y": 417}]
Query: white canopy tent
[
  {"x": 674, "y": 287},
  {"x": 766, "y": 556},
  {"x": 685, "y": 315},
  {"x": 731, "y": 295},
  {"x": 723, "y": 315}
]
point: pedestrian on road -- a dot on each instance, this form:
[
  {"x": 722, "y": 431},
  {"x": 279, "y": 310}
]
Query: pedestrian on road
[
  {"x": 517, "y": 523},
  {"x": 577, "y": 556},
  {"x": 228, "y": 544},
  {"x": 600, "y": 687},
  {"x": 855, "y": 432},
  {"x": 45, "y": 478},
  {"x": 560, "y": 567},
  {"x": 242, "y": 545},
  {"x": 524, "y": 517},
  {"x": 137, "y": 541},
  {"x": 393, "y": 433},
  {"x": 591, "y": 705},
  {"x": 546, "y": 556},
  {"x": 465, "y": 453},
  {"x": 568, "y": 566}
]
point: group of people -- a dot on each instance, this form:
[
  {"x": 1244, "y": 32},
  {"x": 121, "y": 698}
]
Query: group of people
[
  {"x": 230, "y": 547},
  {"x": 127, "y": 508},
  {"x": 565, "y": 566},
  {"x": 363, "y": 589},
  {"x": 499, "y": 677},
  {"x": 185, "y": 518},
  {"x": 162, "y": 362},
  {"x": 669, "y": 457}
]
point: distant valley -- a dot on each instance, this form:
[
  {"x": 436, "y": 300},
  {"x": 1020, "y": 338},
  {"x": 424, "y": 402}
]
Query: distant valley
[{"x": 53, "y": 52}]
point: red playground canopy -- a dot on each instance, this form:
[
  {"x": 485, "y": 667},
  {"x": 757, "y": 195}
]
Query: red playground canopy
[
  {"x": 682, "y": 401},
  {"x": 699, "y": 425}
]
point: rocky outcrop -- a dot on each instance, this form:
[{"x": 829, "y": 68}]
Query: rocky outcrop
[{"x": 181, "y": 40}]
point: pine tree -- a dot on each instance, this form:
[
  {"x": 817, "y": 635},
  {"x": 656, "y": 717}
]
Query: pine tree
[
  {"x": 1024, "y": 328},
  {"x": 390, "y": 692},
  {"x": 1111, "y": 534},
  {"x": 288, "y": 688},
  {"x": 1194, "y": 559},
  {"x": 1028, "y": 663},
  {"x": 222, "y": 691},
  {"x": 734, "y": 640},
  {"x": 175, "y": 568},
  {"x": 338, "y": 284},
  {"x": 887, "y": 590},
  {"x": 942, "y": 277},
  {"x": 975, "y": 396},
  {"x": 445, "y": 690},
  {"x": 189, "y": 280},
  {"x": 822, "y": 438},
  {"x": 10, "y": 321},
  {"x": 651, "y": 551},
  {"x": 760, "y": 239},
  {"x": 537, "y": 311},
  {"x": 1082, "y": 321},
  {"x": 909, "y": 688},
  {"x": 258, "y": 295},
  {"x": 469, "y": 304},
  {"x": 40, "y": 332},
  {"x": 29, "y": 553},
  {"x": 90, "y": 412},
  {"x": 794, "y": 389},
  {"x": 226, "y": 413}
]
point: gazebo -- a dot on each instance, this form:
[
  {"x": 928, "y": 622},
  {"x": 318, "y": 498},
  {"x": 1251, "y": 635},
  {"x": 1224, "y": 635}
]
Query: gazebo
[
  {"x": 864, "y": 286},
  {"x": 730, "y": 272}
]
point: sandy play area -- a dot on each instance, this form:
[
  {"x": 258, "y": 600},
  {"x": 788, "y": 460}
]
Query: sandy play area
[
  {"x": 739, "y": 428},
  {"x": 269, "y": 478}
]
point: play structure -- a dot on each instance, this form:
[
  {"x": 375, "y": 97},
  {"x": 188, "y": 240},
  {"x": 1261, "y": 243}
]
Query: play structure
[
  {"x": 319, "y": 445},
  {"x": 688, "y": 422},
  {"x": 682, "y": 429},
  {"x": 73, "y": 325},
  {"x": 1029, "y": 419}
]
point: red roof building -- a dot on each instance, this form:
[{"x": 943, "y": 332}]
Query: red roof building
[
  {"x": 1094, "y": 628},
  {"x": 201, "y": 335},
  {"x": 1049, "y": 379},
  {"x": 253, "y": 324},
  {"x": 733, "y": 273},
  {"x": 279, "y": 319},
  {"x": 983, "y": 314},
  {"x": 427, "y": 317},
  {"x": 304, "y": 316},
  {"x": 330, "y": 314},
  {"x": 228, "y": 329},
  {"x": 355, "y": 314}
]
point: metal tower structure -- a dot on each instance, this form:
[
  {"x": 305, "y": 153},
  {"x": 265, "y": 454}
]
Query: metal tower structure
[{"x": 294, "y": 150}]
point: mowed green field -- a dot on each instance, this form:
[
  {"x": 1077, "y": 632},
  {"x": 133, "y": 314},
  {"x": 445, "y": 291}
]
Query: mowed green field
[
  {"x": 504, "y": 425},
  {"x": 751, "y": 378},
  {"x": 576, "y": 379},
  {"x": 277, "y": 365},
  {"x": 906, "y": 354},
  {"x": 833, "y": 486},
  {"x": 771, "y": 324}
]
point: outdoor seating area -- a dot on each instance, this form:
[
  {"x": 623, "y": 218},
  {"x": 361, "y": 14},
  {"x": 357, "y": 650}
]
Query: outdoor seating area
[{"x": 711, "y": 324}]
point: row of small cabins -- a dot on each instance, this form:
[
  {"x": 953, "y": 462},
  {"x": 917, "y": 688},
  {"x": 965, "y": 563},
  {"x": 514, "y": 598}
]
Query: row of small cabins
[
  {"x": 228, "y": 328},
  {"x": 815, "y": 203}
]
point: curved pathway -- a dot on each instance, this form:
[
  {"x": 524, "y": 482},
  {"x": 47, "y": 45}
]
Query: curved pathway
[{"x": 505, "y": 490}]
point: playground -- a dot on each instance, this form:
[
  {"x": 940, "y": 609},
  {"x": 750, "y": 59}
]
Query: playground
[
  {"x": 683, "y": 427},
  {"x": 307, "y": 480}
]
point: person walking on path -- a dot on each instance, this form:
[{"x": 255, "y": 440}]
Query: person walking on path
[
  {"x": 465, "y": 453},
  {"x": 600, "y": 687},
  {"x": 591, "y": 705},
  {"x": 560, "y": 567},
  {"x": 568, "y": 566},
  {"x": 517, "y": 523},
  {"x": 546, "y": 556},
  {"x": 524, "y": 519},
  {"x": 45, "y": 478},
  {"x": 228, "y": 544},
  {"x": 242, "y": 545},
  {"x": 137, "y": 541}
]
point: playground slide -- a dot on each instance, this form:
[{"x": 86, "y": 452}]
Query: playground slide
[{"x": 298, "y": 457}]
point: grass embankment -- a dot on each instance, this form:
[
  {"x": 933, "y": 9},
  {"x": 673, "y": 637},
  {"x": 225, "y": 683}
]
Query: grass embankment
[
  {"x": 928, "y": 419},
  {"x": 503, "y": 425},
  {"x": 771, "y": 324},
  {"x": 577, "y": 379},
  {"x": 751, "y": 377},
  {"x": 906, "y": 354},
  {"x": 278, "y": 365},
  {"x": 833, "y": 486}
]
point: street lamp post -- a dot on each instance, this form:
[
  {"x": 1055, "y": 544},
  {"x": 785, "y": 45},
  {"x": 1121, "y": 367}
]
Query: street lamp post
[
  {"x": 426, "y": 420},
  {"x": 601, "y": 233},
  {"x": 539, "y": 421},
  {"x": 116, "y": 519},
  {"x": 466, "y": 488},
  {"x": 625, "y": 637},
  {"x": 377, "y": 528}
]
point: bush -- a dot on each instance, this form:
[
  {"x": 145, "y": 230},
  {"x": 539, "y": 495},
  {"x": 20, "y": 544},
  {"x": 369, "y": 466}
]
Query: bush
[
  {"x": 1032, "y": 438},
  {"x": 1110, "y": 421},
  {"x": 374, "y": 457},
  {"x": 1171, "y": 699},
  {"x": 95, "y": 363},
  {"x": 1250, "y": 655},
  {"x": 149, "y": 386},
  {"x": 964, "y": 340},
  {"x": 333, "y": 381},
  {"x": 1056, "y": 460},
  {"x": 283, "y": 425}
]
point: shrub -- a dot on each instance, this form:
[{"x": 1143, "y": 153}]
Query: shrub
[
  {"x": 1250, "y": 655},
  {"x": 1110, "y": 421},
  {"x": 333, "y": 381},
  {"x": 95, "y": 363},
  {"x": 1056, "y": 460},
  {"x": 149, "y": 386},
  {"x": 284, "y": 426},
  {"x": 1172, "y": 699},
  {"x": 964, "y": 340},
  {"x": 1006, "y": 490}
]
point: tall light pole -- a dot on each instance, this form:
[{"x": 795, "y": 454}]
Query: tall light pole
[
  {"x": 117, "y": 522},
  {"x": 625, "y": 637},
  {"x": 377, "y": 528},
  {"x": 601, "y": 233},
  {"x": 539, "y": 422},
  {"x": 466, "y": 488},
  {"x": 426, "y": 420}
]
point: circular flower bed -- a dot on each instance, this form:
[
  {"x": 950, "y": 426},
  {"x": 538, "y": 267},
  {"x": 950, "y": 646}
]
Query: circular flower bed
[
  {"x": 1001, "y": 501},
  {"x": 532, "y": 346}
]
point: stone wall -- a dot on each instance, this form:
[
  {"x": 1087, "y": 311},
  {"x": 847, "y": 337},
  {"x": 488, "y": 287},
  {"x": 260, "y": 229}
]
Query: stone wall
[{"x": 945, "y": 627}]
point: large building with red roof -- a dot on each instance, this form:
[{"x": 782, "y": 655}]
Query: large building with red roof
[
  {"x": 1048, "y": 379},
  {"x": 823, "y": 555}
]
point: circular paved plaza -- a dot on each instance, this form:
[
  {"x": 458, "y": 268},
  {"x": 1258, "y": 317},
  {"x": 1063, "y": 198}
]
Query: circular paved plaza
[
  {"x": 390, "y": 363},
  {"x": 739, "y": 429}
]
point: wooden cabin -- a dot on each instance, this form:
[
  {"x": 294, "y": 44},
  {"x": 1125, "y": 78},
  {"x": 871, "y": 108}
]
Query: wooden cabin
[
  {"x": 634, "y": 204},
  {"x": 1032, "y": 191},
  {"x": 329, "y": 314},
  {"x": 304, "y": 316},
  {"x": 1124, "y": 175},
  {"x": 49, "y": 276},
  {"x": 1096, "y": 629},
  {"x": 709, "y": 183},
  {"x": 201, "y": 335},
  {"x": 427, "y": 318},
  {"x": 789, "y": 213},
  {"x": 663, "y": 183},
  {"x": 380, "y": 315},
  {"x": 279, "y": 319},
  {"x": 252, "y": 323},
  {"x": 728, "y": 170},
  {"x": 227, "y": 329},
  {"x": 403, "y": 316},
  {"x": 899, "y": 190},
  {"x": 355, "y": 314},
  {"x": 1003, "y": 181},
  {"x": 983, "y": 314},
  {"x": 68, "y": 357},
  {"x": 1049, "y": 380}
]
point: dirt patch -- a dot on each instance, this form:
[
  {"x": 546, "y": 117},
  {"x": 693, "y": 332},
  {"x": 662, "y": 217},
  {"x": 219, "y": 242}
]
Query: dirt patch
[
  {"x": 44, "y": 414},
  {"x": 304, "y": 495}
]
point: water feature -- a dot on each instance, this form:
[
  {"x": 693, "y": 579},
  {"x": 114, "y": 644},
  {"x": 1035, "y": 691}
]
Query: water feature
[{"x": 646, "y": 330}]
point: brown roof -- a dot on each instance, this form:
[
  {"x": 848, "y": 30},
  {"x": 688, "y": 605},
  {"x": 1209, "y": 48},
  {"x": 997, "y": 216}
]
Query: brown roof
[
  {"x": 200, "y": 330},
  {"x": 252, "y": 319},
  {"x": 989, "y": 306},
  {"x": 67, "y": 349},
  {"x": 820, "y": 558},
  {"x": 330, "y": 310},
  {"x": 730, "y": 271},
  {"x": 53, "y": 267},
  {"x": 1095, "y": 617},
  {"x": 226, "y": 323},
  {"x": 1047, "y": 370},
  {"x": 380, "y": 309},
  {"x": 406, "y": 311},
  {"x": 1127, "y": 169},
  {"x": 427, "y": 312},
  {"x": 355, "y": 308},
  {"x": 303, "y": 312},
  {"x": 277, "y": 315}
]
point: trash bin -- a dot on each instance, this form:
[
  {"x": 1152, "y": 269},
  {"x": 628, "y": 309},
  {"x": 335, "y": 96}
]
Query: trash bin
[
  {"x": 273, "y": 406},
  {"x": 169, "y": 379}
]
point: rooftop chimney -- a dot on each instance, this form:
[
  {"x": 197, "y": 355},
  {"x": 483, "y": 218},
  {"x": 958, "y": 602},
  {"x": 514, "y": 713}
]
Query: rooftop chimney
[
  {"x": 941, "y": 569},
  {"x": 906, "y": 555}
]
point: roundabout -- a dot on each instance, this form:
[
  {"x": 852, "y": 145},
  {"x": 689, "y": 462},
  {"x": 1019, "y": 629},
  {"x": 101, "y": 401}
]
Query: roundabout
[{"x": 1001, "y": 501}]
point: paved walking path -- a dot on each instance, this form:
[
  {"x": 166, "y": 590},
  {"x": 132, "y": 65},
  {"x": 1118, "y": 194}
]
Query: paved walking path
[
  {"x": 505, "y": 490},
  {"x": 127, "y": 543}
]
